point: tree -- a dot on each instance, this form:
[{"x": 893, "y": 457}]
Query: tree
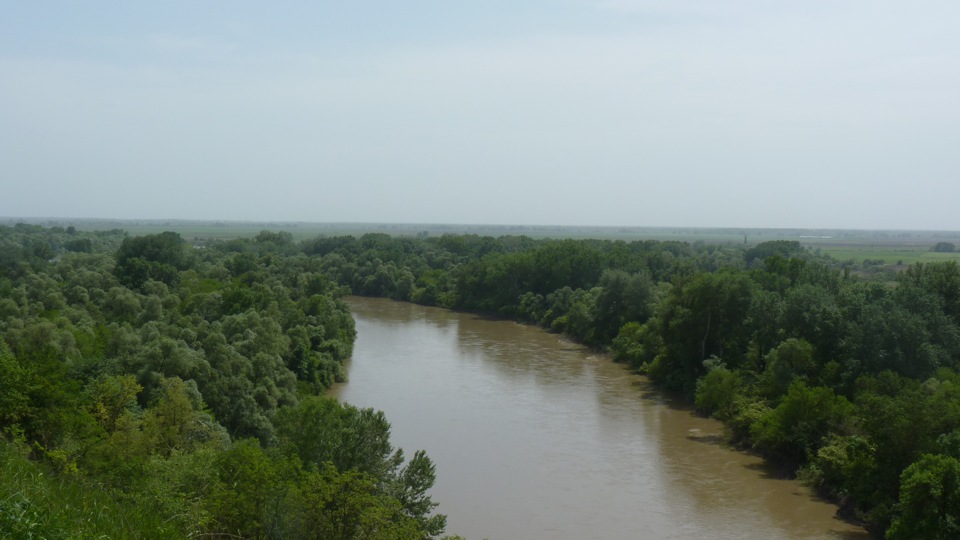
[
  {"x": 322, "y": 430},
  {"x": 792, "y": 432},
  {"x": 349, "y": 505},
  {"x": 623, "y": 298},
  {"x": 702, "y": 318},
  {"x": 14, "y": 403},
  {"x": 791, "y": 359},
  {"x": 717, "y": 392},
  {"x": 323, "y": 433},
  {"x": 929, "y": 500},
  {"x": 782, "y": 248},
  {"x": 637, "y": 344},
  {"x": 810, "y": 312},
  {"x": 410, "y": 488},
  {"x": 111, "y": 396},
  {"x": 176, "y": 420},
  {"x": 157, "y": 256},
  {"x": 245, "y": 499},
  {"x": 941, "y": 279},
  {"x": 845, "y": 466},
  {"x": 764, "y": 322}
]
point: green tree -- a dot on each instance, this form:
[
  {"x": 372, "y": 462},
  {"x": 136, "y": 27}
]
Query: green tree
[
  {"x": 157, "y": 256},
  {"x": 637, "y": 344},
  {"x": 791, "y": 359},
  {"x": 781, "y": 248},
  {"x": 176, "y": 420},
  {"x": 717, "y": 392},
  {"x": 111, "y": 396},
  {"x": 704, "y": 317},
  {"x": 322, "y": 430},
  {"x": 14, "y": 403},
  {"x": 845, "y": 466},
  {"x": 794, "y": 430},
  {"x": 929, "y": 500},
  {"x": 941, "y": 279},
  {"x": 623, "y": 298},
  {"x": 811, "y": 313},
  {"x": 410, "y": 487},
  {"x": 349, "y": 505},
  {"x": 247, "y": 497}
]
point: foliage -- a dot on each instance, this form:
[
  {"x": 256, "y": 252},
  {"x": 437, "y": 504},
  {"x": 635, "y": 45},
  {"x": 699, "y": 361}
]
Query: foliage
[
  {"x": 794, "y": 430},
  {"x": 156, "y": 257},
  {"x": 717, "y": 392},
  {"x": 929, "y": 500},
  {"x": 774, "y": 248},
  {"x": 703, "y": 317},
  {"x": 141, "y": 362},
  {"x": 158, "y": 376},
  {"x": 35, "y": 503}
]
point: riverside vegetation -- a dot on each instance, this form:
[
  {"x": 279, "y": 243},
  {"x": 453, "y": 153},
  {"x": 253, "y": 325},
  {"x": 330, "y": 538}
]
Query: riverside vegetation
[
  {"x": 183, "y": 382},
  {"x": 150, "y": 390}
]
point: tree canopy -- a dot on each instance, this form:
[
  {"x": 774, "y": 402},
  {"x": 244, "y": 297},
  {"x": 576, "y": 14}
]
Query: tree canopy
[{"x": 185, "y": 379}]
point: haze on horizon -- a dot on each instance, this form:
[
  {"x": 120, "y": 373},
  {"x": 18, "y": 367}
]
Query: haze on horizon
[{"x": 746, "y": 113}]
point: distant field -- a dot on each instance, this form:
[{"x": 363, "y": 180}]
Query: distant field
[
  {"x": 892, "y": 247},
  {"x": 888, "y": 254}
]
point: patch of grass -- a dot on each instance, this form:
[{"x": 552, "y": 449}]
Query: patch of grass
[
  {"x": 888, "y": 254},
  {"x": 34, "y": 503}
]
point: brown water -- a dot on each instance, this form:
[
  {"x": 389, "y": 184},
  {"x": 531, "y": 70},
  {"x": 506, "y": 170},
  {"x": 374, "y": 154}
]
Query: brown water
[{"x": 536, "y": 438}]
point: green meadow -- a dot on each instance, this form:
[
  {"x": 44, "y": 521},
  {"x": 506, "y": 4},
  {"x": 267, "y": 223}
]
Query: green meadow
[{"x": 893, "y": 255}]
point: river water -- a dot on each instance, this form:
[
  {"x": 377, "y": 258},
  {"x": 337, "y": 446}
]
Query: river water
[{"x": 534, "y": 437}]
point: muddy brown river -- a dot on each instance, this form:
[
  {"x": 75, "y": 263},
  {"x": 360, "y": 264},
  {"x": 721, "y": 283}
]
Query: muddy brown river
[{"x": 534, "y": 437}]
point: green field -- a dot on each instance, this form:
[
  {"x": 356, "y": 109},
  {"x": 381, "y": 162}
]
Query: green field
[{"x": 888, "y": 254}]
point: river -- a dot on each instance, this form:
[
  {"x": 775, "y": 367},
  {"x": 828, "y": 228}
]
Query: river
[{"x": 534, "y": 437}]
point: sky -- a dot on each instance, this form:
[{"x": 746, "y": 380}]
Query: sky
[{"x": 706, "y": 113}]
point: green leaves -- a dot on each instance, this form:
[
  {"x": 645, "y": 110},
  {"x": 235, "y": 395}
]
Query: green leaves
[
  {"x": 111, "y": 367},
  {"x": 794, "y": 430},
  {"x": 14, "y": 402},
  {"x": 158, "y": 257},
  {"x": 320, "y": 430},
  {"x": 410, "y": 488},
  {"x": 326, "y": 435},
  {"x": 929, "y": 505},
  {"x": 717, "y": 392}
]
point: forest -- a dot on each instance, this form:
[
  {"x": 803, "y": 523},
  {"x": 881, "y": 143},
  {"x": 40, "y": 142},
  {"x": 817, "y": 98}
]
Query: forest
[
  {"x": 151, "y": 389},
  {"x": 185, "y": 382}
]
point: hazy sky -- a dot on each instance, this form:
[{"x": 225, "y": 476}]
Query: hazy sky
[{"x": 741, "y": 113}]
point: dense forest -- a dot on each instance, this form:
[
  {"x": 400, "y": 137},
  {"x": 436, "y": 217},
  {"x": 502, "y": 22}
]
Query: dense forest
[
  {"x": 183, "y": 381},
  {"x": 149, "y": 389}
]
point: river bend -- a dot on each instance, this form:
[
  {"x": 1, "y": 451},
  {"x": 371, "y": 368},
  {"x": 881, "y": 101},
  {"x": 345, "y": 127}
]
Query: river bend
[{"x": 537, "y": 438}]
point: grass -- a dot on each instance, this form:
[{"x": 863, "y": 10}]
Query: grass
[
  {"x": 34, "y": 503},
  {"x": 888, "y": 254}
]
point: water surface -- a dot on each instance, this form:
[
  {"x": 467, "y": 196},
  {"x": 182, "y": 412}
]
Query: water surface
[{"x": 537, "y": 438}]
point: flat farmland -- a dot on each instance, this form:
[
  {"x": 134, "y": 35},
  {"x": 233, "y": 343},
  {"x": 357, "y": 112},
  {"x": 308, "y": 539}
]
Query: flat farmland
[{"x": 888, "y": 254}]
